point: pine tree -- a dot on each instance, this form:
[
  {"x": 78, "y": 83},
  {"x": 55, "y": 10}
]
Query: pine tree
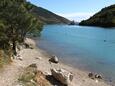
[{"x": 16, "y": 21}]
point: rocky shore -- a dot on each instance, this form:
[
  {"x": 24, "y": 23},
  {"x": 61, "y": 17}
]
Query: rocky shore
[{"x": 43, "y": 75}]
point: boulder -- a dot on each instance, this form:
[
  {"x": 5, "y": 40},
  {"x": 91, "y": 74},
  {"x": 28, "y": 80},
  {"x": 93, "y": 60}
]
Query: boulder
[
  {"x": 54, "y": 59},
  {"x": 41, "y": 80},
  {"x": 64, "y": 76},
  {"x": 29, "y": 43}
]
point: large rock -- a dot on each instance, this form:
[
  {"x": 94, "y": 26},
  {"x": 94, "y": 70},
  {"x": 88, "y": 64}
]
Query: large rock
[
  {"x": 32, "y": 77},
  {"x": 41, "y": 80},
  {"x": 64, "y": 76},
  {"x": 29, "y": 43},
  {"x": 54, "y": 59}
]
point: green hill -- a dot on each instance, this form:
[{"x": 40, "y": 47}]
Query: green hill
[
  {"x": 48, "y": 17},
  {"x": 104, "y": 18}
]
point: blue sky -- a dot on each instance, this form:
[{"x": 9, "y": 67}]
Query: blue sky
[{"x": 73, "y": 9}]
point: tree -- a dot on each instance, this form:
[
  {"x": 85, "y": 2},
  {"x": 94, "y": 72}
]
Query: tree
[{"x": 18, "y": 21}]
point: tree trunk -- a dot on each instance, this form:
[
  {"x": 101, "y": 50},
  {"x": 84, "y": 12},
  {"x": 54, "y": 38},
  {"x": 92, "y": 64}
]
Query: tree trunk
[{"x": 14, "y": 48}]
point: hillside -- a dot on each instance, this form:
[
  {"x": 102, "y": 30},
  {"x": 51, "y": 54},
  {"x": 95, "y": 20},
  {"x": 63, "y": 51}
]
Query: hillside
[
  {"x": 104, "y": 18},
  {"x": 48, "y": 17}
]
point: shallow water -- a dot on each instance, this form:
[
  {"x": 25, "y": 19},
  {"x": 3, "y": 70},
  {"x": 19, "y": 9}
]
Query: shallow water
[{"x": 89, "y": 48}]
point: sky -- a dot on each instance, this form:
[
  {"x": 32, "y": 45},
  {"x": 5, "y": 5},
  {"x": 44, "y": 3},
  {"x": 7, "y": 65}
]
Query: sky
[{"x": 73, "y": 9}]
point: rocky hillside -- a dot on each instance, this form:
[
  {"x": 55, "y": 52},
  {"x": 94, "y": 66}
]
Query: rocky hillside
[
  {"x": 104, "y": 18},
  {"x": 48, "y": 17}
]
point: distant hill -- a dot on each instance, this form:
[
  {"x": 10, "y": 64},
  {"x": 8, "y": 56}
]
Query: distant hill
[
  {"x": 48, "y": 17},
  {"x": 104, "y": 18}
]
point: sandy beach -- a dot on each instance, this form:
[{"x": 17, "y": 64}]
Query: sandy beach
[{"x": 11, "y": 72}]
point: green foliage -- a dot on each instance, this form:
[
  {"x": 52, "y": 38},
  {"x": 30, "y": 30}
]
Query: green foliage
[
  {"x": 104, "y": 18},
  {"x": 16, "y": 21}
]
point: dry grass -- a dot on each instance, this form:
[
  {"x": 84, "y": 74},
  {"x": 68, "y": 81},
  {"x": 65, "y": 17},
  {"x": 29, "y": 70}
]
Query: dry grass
[
  {"x": 32, "y": 77},
  {"x": 5, "y": 58}
]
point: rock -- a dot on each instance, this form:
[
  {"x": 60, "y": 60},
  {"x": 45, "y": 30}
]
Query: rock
[
  {"x": 41, "y": 80},
  {"x": 32, "y": 77},
  {"x": 54, "y": 59},
  {"x": 98, "y": 76},
  {"x": 29, "y": 43},
  {"x": 91, "y": 75},
  {"x": 94, "y": 76},
  {"x": 64, "y": 76},
  {"x": 19, "y": 57}
]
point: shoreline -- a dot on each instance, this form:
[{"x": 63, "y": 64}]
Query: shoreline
[
  {"x": 37, "y": 56},
  {"x": 83, "y": 73},
  {"x": 109, "y": 82}
]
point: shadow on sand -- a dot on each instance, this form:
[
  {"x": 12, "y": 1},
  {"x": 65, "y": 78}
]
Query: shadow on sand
[{"x": 53, "y": 81}]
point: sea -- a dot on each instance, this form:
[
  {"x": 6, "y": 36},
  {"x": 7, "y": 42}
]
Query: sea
[{"x": 84, "y": 47}]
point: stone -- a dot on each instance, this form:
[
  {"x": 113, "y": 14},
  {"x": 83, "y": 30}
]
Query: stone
[
  {"x": 90, "y": 74},
  {"x": 62, "y": 75},
  {"x": 19, "y": 58},
  {"x": 29, "y": 43},
  {"x": 94, "y": 76},
  {"x": 41, "y": 80},
  {"x": 98, "y": 76},
  {"x": 54, "y": 59}
]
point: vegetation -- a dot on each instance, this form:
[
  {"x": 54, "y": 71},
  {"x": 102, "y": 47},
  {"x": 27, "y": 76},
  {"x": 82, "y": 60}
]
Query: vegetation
[
  {"x": 104, "y": 18},
  {"x": 19, "y": 18},
  {"x": 48, "y": 17},
  {"x": 33, "y": 77},
  {"x": 16, "y": 21}
]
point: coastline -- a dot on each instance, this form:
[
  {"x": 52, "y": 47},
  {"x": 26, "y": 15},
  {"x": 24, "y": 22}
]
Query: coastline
[
  {"x": 81, "y": 76},
  {"x": 39, "y": 57}
]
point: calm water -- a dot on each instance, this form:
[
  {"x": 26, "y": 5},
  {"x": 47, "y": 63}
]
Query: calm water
[{"x": 89, "y": 48}]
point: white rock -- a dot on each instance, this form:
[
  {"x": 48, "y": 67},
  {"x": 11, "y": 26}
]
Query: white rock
[
  {"x": 64, "y": 76},
  {"x": 20, "y": 58},
  {"x": 31, "y": 44}
]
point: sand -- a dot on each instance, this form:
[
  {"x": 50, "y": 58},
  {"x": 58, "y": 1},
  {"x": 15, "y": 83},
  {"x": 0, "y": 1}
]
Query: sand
[{"x": 10, "y": 73}]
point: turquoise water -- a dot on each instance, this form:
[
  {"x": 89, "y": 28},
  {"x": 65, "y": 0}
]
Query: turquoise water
[{"x": 89, "y": 48}]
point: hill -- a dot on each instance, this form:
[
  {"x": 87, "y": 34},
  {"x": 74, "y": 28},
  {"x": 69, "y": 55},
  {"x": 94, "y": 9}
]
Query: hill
[
  {"x": 104, "y": 18},
  {"x": 48, "y": 17}
]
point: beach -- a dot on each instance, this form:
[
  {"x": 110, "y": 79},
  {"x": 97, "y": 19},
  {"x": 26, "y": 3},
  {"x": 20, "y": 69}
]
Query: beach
[{"x": 10, "y": 73}]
